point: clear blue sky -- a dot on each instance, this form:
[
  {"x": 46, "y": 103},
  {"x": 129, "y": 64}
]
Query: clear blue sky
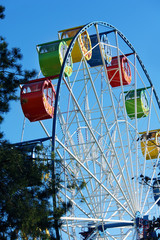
[{"x": 30, "y": 22}]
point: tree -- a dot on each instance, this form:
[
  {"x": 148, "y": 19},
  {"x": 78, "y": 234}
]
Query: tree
[
  {"x": 2, "y": 12},
  {"x": 26, "y": 210},
  {"x": 24, "y": 194}
]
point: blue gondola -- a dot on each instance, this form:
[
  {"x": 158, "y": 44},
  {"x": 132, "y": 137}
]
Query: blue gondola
[
  {"x": 156, "y": 190},
  {"x": 96, "y": 59}
]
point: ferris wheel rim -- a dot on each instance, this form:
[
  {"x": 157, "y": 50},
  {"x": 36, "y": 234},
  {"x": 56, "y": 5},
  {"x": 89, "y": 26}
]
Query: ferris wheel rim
[
  {"x": 68, "y": 52},
  {"x": 65, "y": 60}
]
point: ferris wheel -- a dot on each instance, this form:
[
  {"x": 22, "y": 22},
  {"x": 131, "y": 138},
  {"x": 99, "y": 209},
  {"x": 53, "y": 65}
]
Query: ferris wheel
[{"x": 105, "y": 113}]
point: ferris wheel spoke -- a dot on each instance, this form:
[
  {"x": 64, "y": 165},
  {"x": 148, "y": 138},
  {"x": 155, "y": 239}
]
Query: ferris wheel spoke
[
  {"x": 144, "y": 165},
  {"x": 116, "y": 120},
  {"x": 81, "y": 143},
  {"x": 127, "y": 128},
  {"x": 71, "y": 173},
  {"x": 78, "y": 107},
  {"x": 73, "y": 202},
  {"x": 149, "y": 187},
  {"x": 74, "y": 157},
  {"x": 148, "y": 211},
  {"x": 111, "y": 200},
  {"x": 137, "y": 190}
]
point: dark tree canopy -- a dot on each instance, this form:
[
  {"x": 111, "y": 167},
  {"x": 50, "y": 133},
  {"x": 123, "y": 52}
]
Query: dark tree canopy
[
  {"x": 27, "y": 184},
  {"x": 24, "y": 194},
  {"x": 11, "y": 74},
  {"x": 2, "y": 8}
]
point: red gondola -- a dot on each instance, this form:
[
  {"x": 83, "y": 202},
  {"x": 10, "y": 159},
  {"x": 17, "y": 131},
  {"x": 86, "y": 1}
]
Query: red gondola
[
  {"x": 37, "y": 98},
  {"x": 114, "y": 73}
]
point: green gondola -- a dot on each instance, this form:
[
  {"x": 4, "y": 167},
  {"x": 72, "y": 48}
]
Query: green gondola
[
  {"x": 142, "y": 104},
  {"x": 51, "y": 57}
]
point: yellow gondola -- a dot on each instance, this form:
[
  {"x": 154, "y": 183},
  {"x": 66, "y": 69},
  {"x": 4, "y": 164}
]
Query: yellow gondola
[
  {"x": 150, "y": 144},
  {"x": 83, "y": 45}
]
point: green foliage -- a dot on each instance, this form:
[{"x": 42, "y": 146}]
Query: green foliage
[
  {"x": 78, "y": 185},
  {"x": 11, "y": 74},
  {"x": 24, "y": 195},
  {"x": 2, "y": 12},
  {"x": 28, "y": 184}
]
